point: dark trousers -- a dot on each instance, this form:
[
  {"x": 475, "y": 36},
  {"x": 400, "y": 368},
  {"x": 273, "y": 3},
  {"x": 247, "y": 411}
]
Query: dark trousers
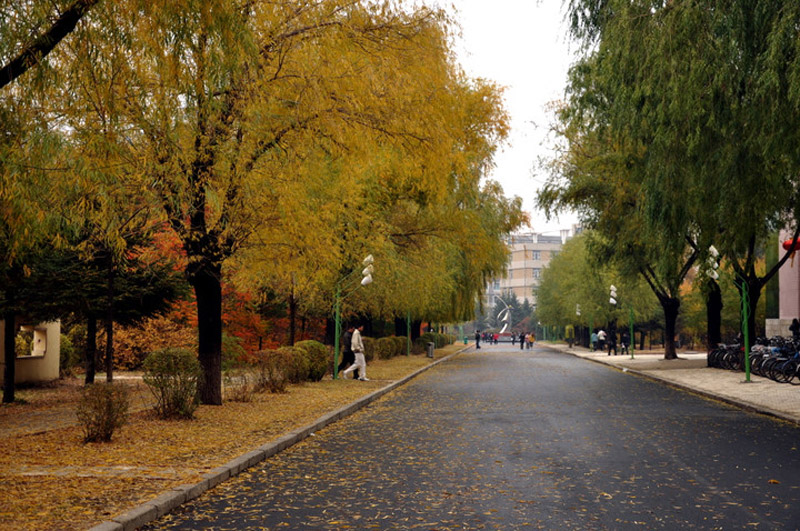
[{"x": 348, "y": 358}]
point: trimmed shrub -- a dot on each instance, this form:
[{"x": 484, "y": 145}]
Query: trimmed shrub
[
  {"x": 369, "y": 348},
  {"x": 299, "y": 366},
  {"x": 102, "y": 409},
  {"x": 274, "y": 368},
  {"x": 239, "y": 384},
  {"x": 400, "y": 344},
  {"x": 419, "y": 346},
  {"x": 317, "y": 357},
  {"x": 172, "y": 374},
  {"x": 384, "y": 348}
]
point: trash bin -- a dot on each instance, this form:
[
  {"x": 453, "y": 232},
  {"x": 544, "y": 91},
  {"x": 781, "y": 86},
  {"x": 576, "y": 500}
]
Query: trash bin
[{"x": 430, "y": 349}]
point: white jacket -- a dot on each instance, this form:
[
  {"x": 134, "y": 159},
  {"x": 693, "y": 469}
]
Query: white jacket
[{"x": 356, "y": 344}]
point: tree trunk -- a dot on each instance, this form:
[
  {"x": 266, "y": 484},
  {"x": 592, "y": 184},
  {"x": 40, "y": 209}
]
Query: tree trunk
[
  {"x": 208, "y": 293},
  {"x": 641, "y": 340},
  {"x": 400, "y": 327},
  {"x": 10, "y": 356},
  {"x": 671, "y": 307},
  {"x": 330, "y": 326},
  {"x": 91, "y": 350},
  {"x": 754, "y": 294},
  {"x": 714, "y": 316},
  {"x": 415, "y": 325},
  {"x": 292, "y": 317},
  {"x": 109, "y": 324}
]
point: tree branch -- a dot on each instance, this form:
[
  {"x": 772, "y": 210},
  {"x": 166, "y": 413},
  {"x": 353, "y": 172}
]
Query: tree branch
[{"x": 44, "y": 43}]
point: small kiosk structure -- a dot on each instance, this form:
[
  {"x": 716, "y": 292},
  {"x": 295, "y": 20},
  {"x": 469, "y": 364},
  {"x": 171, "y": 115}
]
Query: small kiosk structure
[{"x": 40, "y": 363}]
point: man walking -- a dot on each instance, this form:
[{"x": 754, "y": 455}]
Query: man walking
[
  {"x": 358, "y": 350},
  {"x": 348, "y": 358},
  {"x": 477, "y": 339}
]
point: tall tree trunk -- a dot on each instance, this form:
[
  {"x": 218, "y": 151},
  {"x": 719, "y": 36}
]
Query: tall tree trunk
[
  {"x": 91, "y": 349},
  {"x": 208, "y": 293},
  {"x": 292, "y": 317},
  {"x": 330, "y": 326},
  {"x": 714, "y": 315},
  {"x": 754, "y": 286},
  {"x": 10, "y": 356},
  {"x": 109, "y": 324},
  {"x": 400, "y": 327},
  {"x": 671, "y": 307},
  {"x": 415, "y": 325}
]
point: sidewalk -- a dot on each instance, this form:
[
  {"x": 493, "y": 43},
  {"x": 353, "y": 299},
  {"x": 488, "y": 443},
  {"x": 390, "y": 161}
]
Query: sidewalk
[{"x": 690, "y": 372}]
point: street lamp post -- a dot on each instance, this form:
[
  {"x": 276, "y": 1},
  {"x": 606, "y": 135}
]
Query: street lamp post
[
  {"x": 631, "y": 338},
  {"x": 365, "y": 281}
]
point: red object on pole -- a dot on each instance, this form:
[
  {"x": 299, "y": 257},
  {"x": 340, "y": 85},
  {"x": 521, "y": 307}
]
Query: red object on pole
[{"x": 788, "y": 245}]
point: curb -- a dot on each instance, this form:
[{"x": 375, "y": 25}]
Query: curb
[
  {"x": 741, "y": 404},
  {"x": 169, "y": 500}
]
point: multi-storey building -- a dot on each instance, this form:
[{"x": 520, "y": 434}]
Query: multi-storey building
[{"x": 530, "y": 253}]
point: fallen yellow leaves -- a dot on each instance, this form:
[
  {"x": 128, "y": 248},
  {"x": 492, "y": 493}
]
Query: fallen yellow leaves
[{"x": 54, "y": 481}]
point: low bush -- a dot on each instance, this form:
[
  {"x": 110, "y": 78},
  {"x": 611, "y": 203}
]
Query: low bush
[
  {"x": 102, "y": 409},
  {"x": 274, "y": 368},
  {"x": 240, "y": 384},
  {"x": 172, "y": 374},
  {"x": 299, "y": 366},
  {"x": 419, "y": 346},
  {"x": 317, "y": 357},
  {"x": 369, "y": 348},
  {"x": 384, "y": 348},
  {"x": 401, "y": 344}
]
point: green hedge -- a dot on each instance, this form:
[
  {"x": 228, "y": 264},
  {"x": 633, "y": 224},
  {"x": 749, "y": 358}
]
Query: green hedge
[
  {"x": 400, "y": 342},
  {"x": 316, "y": 357},
  {"x": 370, "y": 345}
]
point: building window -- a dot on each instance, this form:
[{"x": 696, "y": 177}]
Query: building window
[
  {"x": 496, "y": 284},
  {"x": 537, "y": 272},
  {"x": 536, "y": 255},
  {"x": 553, "y": 254}
]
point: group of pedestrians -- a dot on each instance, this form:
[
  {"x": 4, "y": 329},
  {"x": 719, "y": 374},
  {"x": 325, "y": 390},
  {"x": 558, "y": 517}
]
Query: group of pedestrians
[
  {"x": 353, "y": 354},
  {"x": 525, "y": 340},
  {"x": 602, "y": 340}
]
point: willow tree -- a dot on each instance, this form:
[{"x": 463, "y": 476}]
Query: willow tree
[
  {"x": 710, "y": 88},
  {"x": 223, "y": 99},
  {"x": 579, "y": 278},
  {"x": 409, "y": 193},
  {"x": 31, "y": 30}
]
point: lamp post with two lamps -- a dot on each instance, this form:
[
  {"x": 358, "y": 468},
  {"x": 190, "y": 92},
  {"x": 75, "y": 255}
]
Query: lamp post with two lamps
[
  {"x": 613, "y": 301},
  {"x": 366, "y": 280}
]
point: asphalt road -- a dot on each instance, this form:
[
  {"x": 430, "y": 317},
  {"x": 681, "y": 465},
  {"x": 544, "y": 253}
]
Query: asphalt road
[{"x": 508, "y": 439}]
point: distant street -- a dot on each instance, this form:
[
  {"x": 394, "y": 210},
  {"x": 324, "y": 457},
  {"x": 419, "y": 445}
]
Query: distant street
[{"x": 506, "y": 439}]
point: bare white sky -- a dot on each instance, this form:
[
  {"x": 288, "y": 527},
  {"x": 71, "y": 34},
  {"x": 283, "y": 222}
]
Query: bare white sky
[{"x": 522, "y": 46}]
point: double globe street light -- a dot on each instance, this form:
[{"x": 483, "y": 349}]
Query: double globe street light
[
  {"x": 613, "y": 301},
  {"x": 366, "y": 280}
]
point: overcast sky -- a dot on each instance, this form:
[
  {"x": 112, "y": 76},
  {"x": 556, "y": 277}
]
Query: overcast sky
[{"x": 522, "y": 46}]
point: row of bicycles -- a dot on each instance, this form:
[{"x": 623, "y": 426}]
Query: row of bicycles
[{"x": 776, "y": 358}]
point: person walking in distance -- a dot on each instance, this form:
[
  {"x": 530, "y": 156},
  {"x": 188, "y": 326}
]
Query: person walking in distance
[
  {"x": 624, "y": 341},
  {"x": 612, "y": 341},
  {"x": 794, "y": 328},
  {"x": 477, "y": 339},
  {"x": 522, "y": 340},
  {"x": 348, "y": 358},
  {"x": 358, "y": 350}
]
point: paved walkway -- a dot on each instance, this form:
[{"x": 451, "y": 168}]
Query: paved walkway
[{"x": 691, "y": 372}]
